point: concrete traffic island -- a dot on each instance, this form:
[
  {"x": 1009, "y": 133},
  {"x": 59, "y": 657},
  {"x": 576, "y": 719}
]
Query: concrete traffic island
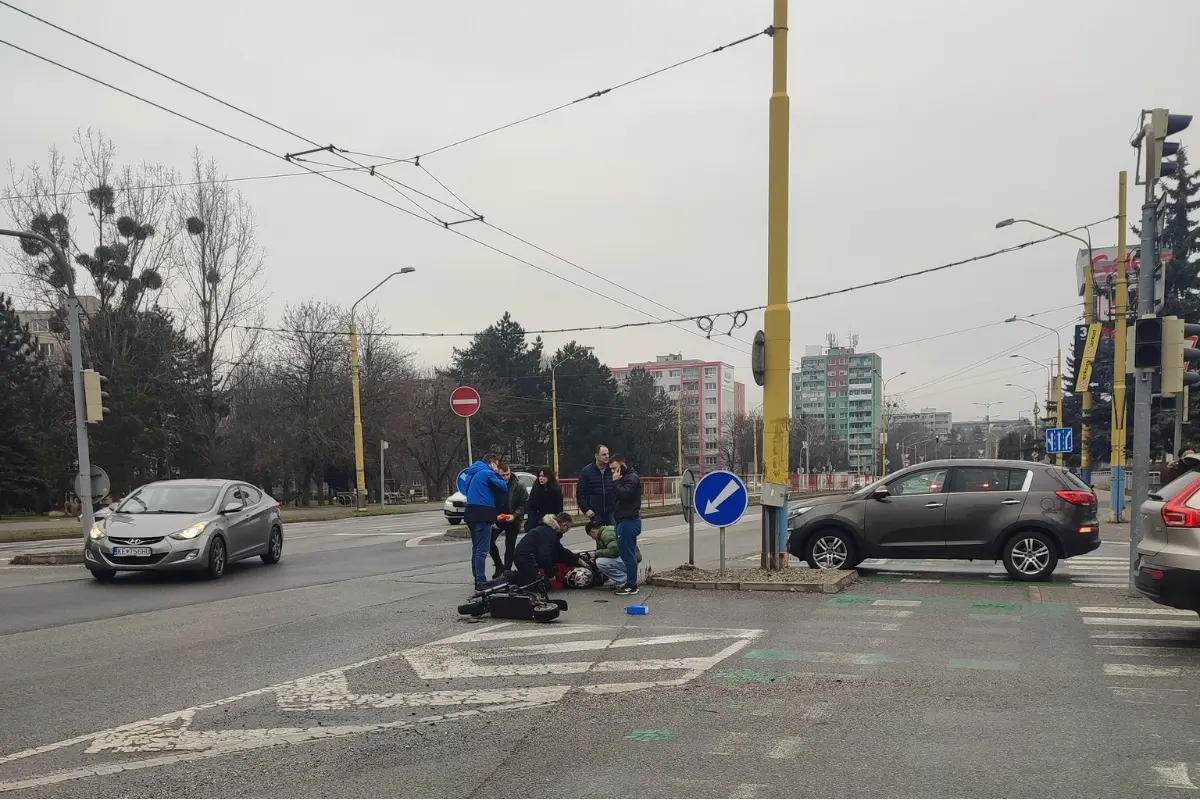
[
  {"x": 803, "y": 579},
  {"x": 42, "y": 559}
]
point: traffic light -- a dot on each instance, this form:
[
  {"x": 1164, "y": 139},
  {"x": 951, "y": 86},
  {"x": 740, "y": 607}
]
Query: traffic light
[
  {"x": 94, "y": 395},
  {"x": 1178, "y": 355},
  {"x": 1162, "y": 125},
  {"x": 1147, "y": 343}
]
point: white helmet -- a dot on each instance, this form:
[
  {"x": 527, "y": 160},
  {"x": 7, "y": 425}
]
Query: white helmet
[{"x": 579, "y": 578}]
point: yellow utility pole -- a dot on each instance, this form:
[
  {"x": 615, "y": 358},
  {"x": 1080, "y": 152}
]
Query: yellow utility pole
[
  {"x": 1089, "y": 317},
  {"x": 1120, "y": 309},
  {"x": 778, "y": 317}
]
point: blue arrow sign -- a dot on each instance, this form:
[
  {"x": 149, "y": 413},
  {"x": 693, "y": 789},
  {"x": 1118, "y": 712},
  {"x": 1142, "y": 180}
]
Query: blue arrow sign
[
  {"x": 1060, "y": 440},
  {"x": 721, "y": 499}
]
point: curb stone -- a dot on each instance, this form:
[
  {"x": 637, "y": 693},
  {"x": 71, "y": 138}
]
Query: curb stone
[
  {"x": 35, "y": 559},
  {"x": 759, "y": 586}
]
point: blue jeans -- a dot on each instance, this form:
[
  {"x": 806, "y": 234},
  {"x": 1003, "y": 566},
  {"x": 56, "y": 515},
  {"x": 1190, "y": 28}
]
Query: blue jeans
[
  {"x": 481, "y": 543},
  {"x": 627, "y": 532},
  {"x": 612, "y": 568}
]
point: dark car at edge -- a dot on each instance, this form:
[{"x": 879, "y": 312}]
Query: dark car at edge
[{"x": 1029, "y": 515}]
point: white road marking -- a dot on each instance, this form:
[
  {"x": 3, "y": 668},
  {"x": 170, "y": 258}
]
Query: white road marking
[
  {"x": 730, "y": 744},
  {"x": 1168, "y": 612},
  {"x": 1136, "y": 650},
  {"x": 787, "y": 747},
  {"x": 1137, "y": 622},
  {"x": 920, "y": 580},
  {"x": 173, "y": 737},
  {"x": 1141, "y": 671},
  {"x": 897, "y": 603},
  {"x": 1173, "y": 775},
  {"x": 747, "y": 791},
  {"x": 1146, "y": 636},
  {"x": 1113, "y": 585}
]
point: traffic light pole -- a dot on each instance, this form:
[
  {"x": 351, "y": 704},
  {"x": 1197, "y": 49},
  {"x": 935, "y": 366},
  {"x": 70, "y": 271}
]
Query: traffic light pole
[
  {"x": 1142, "y": 385},
  {"x": 1120, "y": 368},
  {"x": 74, "y": 332}
]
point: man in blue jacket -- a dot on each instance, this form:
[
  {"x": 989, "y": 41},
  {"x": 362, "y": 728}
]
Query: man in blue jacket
[
  {"x": 594, "y": 492},
  {"x": 487, "y": 500}
]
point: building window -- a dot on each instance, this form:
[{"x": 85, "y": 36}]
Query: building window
[
  {"x": 674, "y": 387},
  {"x": 710, "y": 415},
  {"x": 674, "y": 373},
  {"x": 40, "y": 326},
  {"x": 710, "y": 386},
  {"x": 710, "y": 431},
  {"x": 710, "y": 372},
  {"x": 710, "y": 401},
  {"x": 47, "y": 349},
  {"x": 710, "y": 445},
  {"x": 710, "y": 460},
  {"x": 690, "y": 373}
]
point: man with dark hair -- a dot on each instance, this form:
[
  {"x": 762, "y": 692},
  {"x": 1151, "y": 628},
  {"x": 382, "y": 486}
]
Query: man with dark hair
[
  {"x": 594, "y": 491},
  {"x": 487, "y": 503},
  {"x": 542, "y": 548},
  {"x": 518, "y": 500},
  {"x": 608, "y": 553},
  {"x": 627, "y": 511}
]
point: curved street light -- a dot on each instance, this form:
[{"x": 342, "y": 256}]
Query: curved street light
[
  {"x": 1035, "y": 406},
  {"x": 1058, "y": 387},
  {"x": 360, "y": 474}
]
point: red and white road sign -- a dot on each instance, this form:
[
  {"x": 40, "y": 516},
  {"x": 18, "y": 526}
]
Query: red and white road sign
[{"x": 464, "y": 401}]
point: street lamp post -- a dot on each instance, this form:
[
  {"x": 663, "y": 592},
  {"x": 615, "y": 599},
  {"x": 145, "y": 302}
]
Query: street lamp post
[
  {"x": 987, "y": 426},
  {"x": 359, "y": 469},
  {"x": 1089, "y": 317},
  {"x": 883, "y": 413},
  {"x": 1058, "y": 389},
  {"x": 74, "y": 331},
  {"x": 1035, "y": 407},
  {"x": 554, "y": 400}
]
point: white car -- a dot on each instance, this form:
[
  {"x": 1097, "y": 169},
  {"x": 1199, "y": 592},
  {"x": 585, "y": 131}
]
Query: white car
[{"x": 456, "y": 504}]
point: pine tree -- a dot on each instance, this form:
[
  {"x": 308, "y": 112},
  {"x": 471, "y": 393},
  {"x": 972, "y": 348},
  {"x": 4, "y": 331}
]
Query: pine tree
[{"x": 23, "y": 377}]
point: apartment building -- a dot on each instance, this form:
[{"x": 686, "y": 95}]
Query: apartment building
[
  {"x": 844, "y": 389},
  {"x": 709, "y": 396},
  {"x": 940, "y": 423},
  {"x": 53, "y": 345}
]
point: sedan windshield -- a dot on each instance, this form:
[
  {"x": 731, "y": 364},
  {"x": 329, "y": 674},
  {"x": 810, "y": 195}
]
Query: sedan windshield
[{"x": 159, "y": 499}]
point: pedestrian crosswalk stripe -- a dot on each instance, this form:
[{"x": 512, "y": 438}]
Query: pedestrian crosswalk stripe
[
  {"x": 1166, "y": 612},
  {"x": 787, "y": 747},
  {"x": 1167, "y": 637},
  {"x": 1141, "y": 622},
  {"x": 1141, "y": 671},
  {"x": 1087, "y": 585},
  {"x": 1173, "y": 775},
  {"x": 920, "y": 580},
  {"x": 1143, "y": 650}
]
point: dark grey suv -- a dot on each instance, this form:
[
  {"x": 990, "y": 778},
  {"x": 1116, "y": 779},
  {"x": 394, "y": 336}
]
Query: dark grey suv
[{"x": 1027, "y": 514}]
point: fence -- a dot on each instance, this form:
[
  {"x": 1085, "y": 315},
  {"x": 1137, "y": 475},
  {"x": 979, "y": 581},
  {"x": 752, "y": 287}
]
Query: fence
[{"x": 664, "y": 491}]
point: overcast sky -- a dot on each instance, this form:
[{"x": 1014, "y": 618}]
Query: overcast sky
[{"x": 916, "y": 125}]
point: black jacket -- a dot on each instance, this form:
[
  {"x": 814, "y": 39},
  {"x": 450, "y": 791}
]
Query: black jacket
[
  {"x": 628, "y": 494},
  {"x": 594, "y": 492},
  {"x": 544, "y": 544},
  {"x": 543, "y": 500}
]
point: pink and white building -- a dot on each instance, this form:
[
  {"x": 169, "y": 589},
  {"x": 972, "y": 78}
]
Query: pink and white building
[{"x": 710, "y": 397}]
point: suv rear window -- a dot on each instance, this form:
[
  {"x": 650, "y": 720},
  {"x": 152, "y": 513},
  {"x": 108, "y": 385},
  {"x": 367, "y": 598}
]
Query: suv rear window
[
  {"x": 1178, "y": 485},
  {"x": 1074, "y": 481}
]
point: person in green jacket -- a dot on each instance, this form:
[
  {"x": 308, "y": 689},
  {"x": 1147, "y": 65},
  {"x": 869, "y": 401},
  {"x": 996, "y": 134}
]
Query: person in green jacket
[
  {"x": 608, "y": 557},
  {"x": 518, "y": 502}
]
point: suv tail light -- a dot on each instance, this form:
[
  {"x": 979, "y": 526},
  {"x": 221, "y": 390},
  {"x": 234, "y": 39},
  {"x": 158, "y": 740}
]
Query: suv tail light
[
  {"x": 1077, "y": 498},
  {"x": 1176, "y": 513}
]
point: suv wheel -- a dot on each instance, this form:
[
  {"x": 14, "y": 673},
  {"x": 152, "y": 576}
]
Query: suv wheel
[
  {"x": 830, "y": 549},
  {"x": 1030, "y": 556}
]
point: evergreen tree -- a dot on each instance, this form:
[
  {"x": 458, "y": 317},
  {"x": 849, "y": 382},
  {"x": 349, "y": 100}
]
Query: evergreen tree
[
  {"x": 650, "y": 428},
  {"x": 23, "y": 387}
]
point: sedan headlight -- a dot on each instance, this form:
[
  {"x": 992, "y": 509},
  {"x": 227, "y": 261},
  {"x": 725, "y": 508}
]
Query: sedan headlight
[
  {"x": 191, "y": 531},
  {"x": 95, "y": 533},
  {"x": 798, "y": 510}
]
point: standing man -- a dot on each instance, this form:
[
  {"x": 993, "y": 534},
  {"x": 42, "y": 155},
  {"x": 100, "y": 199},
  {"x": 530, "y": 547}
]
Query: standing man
[
  {"x": 627, "y": 511},
  {"x": 594, "y": 492},
  {"x": 518, "y": 500},
  {"x": 487, "y": 501}
]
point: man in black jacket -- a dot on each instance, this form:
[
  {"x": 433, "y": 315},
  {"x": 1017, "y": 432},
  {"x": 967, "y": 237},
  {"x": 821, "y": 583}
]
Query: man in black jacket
[
  {"x": 594, "y": 491},
  {"x": 627, "y": 511},
  {"x": 542, "y": 548}
]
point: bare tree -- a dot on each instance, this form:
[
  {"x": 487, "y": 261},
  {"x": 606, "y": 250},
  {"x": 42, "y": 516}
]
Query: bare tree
[
  {"x": 436, "y": 440},
  {"x": 221, "y": 276}
]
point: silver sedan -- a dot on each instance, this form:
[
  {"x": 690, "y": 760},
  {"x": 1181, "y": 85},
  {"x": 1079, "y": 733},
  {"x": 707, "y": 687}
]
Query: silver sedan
[{"x": 194, "y": 525}]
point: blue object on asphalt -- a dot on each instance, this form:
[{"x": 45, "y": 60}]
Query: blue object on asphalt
[{"x": 637, "y": 611}]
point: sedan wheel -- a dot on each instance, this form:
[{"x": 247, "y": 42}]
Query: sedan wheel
[
  {"x": 216, "y": 558},
  {"x": 830, "y": 550},
  {"x": 1030, "y": 556},
  {"x": 274, "y": 547}
]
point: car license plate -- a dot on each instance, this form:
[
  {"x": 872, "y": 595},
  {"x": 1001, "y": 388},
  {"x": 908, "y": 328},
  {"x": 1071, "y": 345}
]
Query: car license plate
[{"x": 131, "y": 551}]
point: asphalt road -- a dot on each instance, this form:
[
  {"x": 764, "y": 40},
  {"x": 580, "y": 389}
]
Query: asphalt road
[{"x": 344, "y": 671}]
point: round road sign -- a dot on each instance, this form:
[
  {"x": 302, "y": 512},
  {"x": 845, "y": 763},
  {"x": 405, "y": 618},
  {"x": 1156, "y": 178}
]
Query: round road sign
[{"x": 464, "y": 401}]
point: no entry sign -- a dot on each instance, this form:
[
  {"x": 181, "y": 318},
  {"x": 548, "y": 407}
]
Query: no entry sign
[{"x": 464, "y": 401}]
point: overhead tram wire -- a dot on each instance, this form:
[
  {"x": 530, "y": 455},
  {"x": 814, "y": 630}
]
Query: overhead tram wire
[
  {"x": 392, "y": 182},
  {"x": 218, "y": 131}
]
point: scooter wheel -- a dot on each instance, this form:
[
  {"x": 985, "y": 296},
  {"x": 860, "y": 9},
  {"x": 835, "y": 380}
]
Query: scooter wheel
[
  {"x": 545, "y": 612},
  {"x": 476, "y": 608}
]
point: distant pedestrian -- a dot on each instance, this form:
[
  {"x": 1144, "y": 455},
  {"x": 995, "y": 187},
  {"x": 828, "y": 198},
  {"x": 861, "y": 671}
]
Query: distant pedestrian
[
  {"x": 518, "y": 501},
  {"x": 627, "y": 511},
  {"x": 1177, "y": 468},
  {"x": 594, "y": 491},
  {"x": 487, "y": 500},
  {"x": 545, "y": 497}
]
